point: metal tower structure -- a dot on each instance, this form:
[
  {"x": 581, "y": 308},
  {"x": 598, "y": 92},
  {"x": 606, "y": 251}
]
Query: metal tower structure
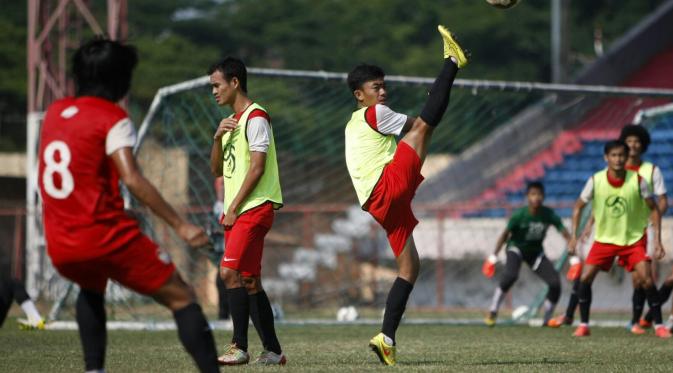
[{"x": 55, "y": 29}]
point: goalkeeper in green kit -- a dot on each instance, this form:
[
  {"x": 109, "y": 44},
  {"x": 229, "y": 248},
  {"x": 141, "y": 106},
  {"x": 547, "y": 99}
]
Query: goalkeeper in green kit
[{"x": 524, "y": 235}]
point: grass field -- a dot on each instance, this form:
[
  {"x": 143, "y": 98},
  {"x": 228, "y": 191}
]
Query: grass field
[{"x": 343, "y": 348}]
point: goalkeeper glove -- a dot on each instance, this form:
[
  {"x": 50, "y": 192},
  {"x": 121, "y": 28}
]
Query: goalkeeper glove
[
  {"x": 488, "y": 268},
  {"x": 575, "y": 269}
]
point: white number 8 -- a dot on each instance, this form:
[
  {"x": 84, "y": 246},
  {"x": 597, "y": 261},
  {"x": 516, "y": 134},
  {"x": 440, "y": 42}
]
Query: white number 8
[{"x": 57, "y": 167}]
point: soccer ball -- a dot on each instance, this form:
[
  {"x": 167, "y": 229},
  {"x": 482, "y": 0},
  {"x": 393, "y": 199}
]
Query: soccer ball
[
  {"x": 347, "y": 314},
  {"x": 503, "y": 4}
]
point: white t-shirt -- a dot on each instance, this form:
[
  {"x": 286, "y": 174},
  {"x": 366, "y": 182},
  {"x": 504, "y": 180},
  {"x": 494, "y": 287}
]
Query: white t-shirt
[
  {"x": 385, "y": 121},
  {"x": 258, "y": 132},
  {"x": 658, "y": 182}
]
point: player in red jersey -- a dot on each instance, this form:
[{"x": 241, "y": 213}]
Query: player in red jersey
[{"x": 85, "y": 150}]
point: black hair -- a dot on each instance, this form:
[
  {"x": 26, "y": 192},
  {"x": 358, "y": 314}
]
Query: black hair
[
  {"x": 639, "y": 131},
  {"x": 615, "y": 144},
  {"x": 232, "y": 67},
  {"x": 362, "y": 74},
  {"x": 103, "y": 68},
  {"x": 535, "y": 185}
]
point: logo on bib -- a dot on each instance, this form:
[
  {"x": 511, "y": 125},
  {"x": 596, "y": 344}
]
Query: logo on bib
[{"x": 616, "y": 206}]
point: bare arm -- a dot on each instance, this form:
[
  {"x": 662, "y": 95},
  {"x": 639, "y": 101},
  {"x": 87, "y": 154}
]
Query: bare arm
[
  {"x": 504, "y": 236},
  {"x": 566, "y": 235},
  {"x": 409, "y": 124},
  {"x": 662, "y": 204},
  {"x": 257, "y": 166},
  {"x": 148, "y": 195},
  {"x": 656, "y": 225},
  {"x": 577, "y": 213}
]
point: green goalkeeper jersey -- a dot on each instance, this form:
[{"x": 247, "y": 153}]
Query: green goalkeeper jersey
[{"x": 528, "y": 230}]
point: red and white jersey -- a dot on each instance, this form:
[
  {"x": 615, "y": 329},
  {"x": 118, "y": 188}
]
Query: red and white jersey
[{"x": 83, "y": 209}]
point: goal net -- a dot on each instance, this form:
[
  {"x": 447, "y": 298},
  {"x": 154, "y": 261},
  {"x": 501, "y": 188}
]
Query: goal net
[{"x": 324, "y": 252}]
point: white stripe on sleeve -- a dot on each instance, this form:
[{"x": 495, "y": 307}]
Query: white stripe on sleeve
[
  {"x": 658, "y": 182},
  {"x": 259, "y": 134},
  {"x": 588, "y": 191},
  {"x": 389, "y": 122},
  {"x": 121, "y": 135}
]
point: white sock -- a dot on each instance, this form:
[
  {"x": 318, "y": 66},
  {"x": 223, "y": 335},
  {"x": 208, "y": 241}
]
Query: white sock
[
  {"x": 388, "y": 340},
  {"x": 498, "y": 297},
  {"x": 584, "y": 324},
  {"x": 453, "y": 59},
  {"x": 31, "y": 312}
]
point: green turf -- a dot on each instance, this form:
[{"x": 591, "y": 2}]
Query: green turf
[{"x": 343, "y": 348}]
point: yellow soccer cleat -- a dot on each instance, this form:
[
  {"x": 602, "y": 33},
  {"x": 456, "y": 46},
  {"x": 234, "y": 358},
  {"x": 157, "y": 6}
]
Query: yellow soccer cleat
[
  {"x": 27, "y": 325},
  {"x": 489, "y": 320},
  {"x": 452, "y": 48},
  {"x": 384, "y": 351}
]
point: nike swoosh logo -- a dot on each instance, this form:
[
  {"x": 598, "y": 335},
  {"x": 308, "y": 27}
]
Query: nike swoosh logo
[
  {"x": 229, "y": 259},
  {"x": 386, "y": 352}
]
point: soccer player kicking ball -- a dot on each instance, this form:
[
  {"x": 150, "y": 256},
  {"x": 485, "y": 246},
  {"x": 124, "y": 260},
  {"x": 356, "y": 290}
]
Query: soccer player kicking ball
[
  {"x": 86, "y": 147},
  {"x": 386, "y": 175},
  {"x": 524, "y": 235},
  {"x": 638, "y": 139},
  {"x": 244, "y": 153},
  {"x": 622, "y": 204}
]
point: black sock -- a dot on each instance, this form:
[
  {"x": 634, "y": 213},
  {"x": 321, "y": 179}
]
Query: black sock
[
  {"x": 654, "y": 303},
  {"x": 638, "y": 300},
  {"x": 584, "y": 300},
  {"x": 222, "y": 302},
  {"x": 91, "y": 320},
  {"x": 6, "y": 299},
  {"x": 20, "y": 293},
  {"x": 267, "y": 323},
  {"x": 239, "y": 308},
  {"x": 574, "y": 299},
  {"x": 254, "y": 316},
  {"x": 438, "y": 97},
  {"x": 664, "y": 294},
  {"x": 196, "y": 337},
  {"x": 395, "y": 305}
]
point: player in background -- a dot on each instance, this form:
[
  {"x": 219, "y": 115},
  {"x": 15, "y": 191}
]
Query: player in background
[
  {"x": 524, "y": 235},
  {"x": 386, "y": 174},
  {"x": 638, "y": 140},
  {"x": 86, "y": 148},
  {"x": 622, "y": 205},
  {"x": 244, "y": 153},
  {"x": 13, "y": 290}
]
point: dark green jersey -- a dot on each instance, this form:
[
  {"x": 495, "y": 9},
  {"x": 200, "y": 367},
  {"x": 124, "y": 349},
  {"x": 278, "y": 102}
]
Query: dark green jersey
[{"x": 528, "y": 231}]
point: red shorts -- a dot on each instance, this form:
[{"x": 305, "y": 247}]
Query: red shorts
[
  {"x": 390, "y": 201},
  {"x": 603, "y": 254},
  {"x": 244, "y": 242},
  {"x": 139, "y": 265}
]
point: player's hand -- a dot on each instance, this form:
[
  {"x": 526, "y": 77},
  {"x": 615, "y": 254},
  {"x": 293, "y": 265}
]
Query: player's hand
[
  {"x": 194, "y": 236},
  {"x": 572, "y": 246},
  {"x": 659, "y": 251},
  {"x": 229, "y": 220},
  {"x": 488, "y": 268},
  {"x": 226, "y": 125}
]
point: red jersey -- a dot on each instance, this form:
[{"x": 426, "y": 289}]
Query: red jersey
[{"x": 82, "y": 206}]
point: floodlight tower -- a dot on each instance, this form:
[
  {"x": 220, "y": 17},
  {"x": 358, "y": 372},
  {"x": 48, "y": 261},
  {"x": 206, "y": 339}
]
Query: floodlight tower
[{"x": 55, "y": 29}]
